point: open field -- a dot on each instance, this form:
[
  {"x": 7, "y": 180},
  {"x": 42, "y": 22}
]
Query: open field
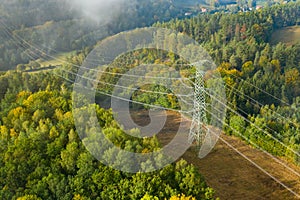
[
  {"x": 42, "y": 69},
  {"x": 57, "y": 59},
  {"x": 289, "y": 35},
  {"x": 189, "y": 3},
  {"x": 231, "y": 175},
  {"x": 192, "y": 4}
]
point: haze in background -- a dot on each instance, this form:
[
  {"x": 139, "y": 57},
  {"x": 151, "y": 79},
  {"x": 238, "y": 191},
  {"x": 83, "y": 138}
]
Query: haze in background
[{"x": 102, "y": 11}]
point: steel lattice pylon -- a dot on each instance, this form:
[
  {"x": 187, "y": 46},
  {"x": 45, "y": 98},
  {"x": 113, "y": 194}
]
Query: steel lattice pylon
[{"x": 197, "y": 130}]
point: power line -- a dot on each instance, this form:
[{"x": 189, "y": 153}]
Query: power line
[
  {"x": 176, "y": 110},
  {"x": 103, "y": 71},
  {"x": 257, "y": 127},
  {"x": 243, "y": 95},
  {"x": 257, "y": 146},
  {"x": 128, "y": 100},
  {"x": 114, "y": 84},
  {"x": 125, "y": 75},
  {"x": 260, "y": 168},
  {"x": 82, "y": 67}
]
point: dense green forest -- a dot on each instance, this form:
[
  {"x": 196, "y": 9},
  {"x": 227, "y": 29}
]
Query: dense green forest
[{"x": 41, "y": 155}]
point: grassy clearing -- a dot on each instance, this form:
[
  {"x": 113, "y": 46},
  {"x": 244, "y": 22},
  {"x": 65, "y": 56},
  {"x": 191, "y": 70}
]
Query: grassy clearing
[
  {"x": 190, "y": 4},
  {"x": 58, "y": 59},
  {"x": 289, "y": 35}
]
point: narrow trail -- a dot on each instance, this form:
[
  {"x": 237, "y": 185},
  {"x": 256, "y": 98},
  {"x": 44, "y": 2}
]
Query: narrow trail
[{"x": 232, "y": 176}]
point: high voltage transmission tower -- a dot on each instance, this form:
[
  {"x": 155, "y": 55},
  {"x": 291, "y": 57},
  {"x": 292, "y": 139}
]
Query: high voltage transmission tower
[{"x": 199, "y": 120}]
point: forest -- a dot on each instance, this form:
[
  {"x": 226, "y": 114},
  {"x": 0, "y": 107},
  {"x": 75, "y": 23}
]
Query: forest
[
  {"x": 262, "y": 80},
  {"x": 41, "y": 154}
]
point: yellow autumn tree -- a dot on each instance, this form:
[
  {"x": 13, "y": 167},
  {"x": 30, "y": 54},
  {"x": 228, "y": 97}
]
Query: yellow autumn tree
[{"x": 182, "y": 197}]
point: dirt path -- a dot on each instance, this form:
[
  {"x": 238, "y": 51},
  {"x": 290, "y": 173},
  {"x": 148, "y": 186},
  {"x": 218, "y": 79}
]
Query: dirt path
[{"x": 230, "y": 174}]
